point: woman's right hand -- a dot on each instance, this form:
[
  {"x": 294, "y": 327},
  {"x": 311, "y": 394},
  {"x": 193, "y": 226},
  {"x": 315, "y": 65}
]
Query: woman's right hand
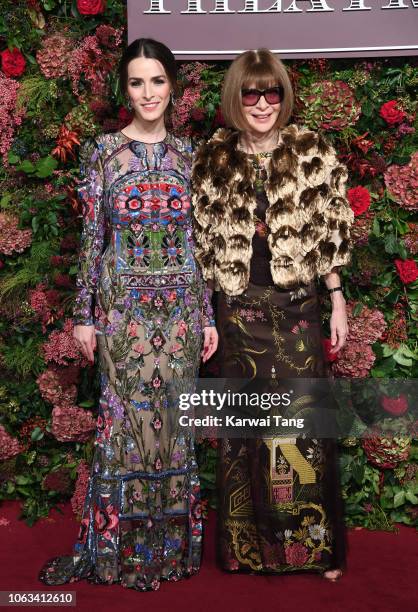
[{"x": 85, "y": 338}]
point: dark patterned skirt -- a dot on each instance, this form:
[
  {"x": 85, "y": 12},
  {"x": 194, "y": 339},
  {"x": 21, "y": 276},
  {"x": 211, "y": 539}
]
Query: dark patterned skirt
[{"x": 280, "y": 508}]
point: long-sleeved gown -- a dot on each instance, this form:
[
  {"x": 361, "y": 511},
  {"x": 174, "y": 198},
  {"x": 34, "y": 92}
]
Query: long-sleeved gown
[{"x": 139, "y": 284}]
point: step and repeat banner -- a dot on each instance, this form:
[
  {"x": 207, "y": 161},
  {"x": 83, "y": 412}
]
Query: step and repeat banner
[{"x": 220, "y": 29}]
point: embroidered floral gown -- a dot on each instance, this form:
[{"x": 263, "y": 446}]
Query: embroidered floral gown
[
  {"x": 280, "y": 507},
  {"x": 139, "y": 284}
]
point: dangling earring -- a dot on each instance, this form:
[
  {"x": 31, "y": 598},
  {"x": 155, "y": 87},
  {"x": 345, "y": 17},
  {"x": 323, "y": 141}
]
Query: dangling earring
[
  {"x": 129, "y": 104},
  {"x": 172, "y": 98}
]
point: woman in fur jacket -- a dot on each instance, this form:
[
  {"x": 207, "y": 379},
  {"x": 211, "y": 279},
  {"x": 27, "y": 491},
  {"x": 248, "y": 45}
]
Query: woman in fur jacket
[{"x": 271, "y": 217}]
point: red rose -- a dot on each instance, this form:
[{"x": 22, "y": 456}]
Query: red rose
[
  {"x": 219, "y": 120},
  {"x": 394, "y": 405},
  {"x": 391, "y": 114},
  {"x": 198, "y": 114},
  {"x": 91, "y": 7},
  {"x": 329, "y": 357},
  {"x": 407, "y": 270},
  {"x": 125, "y": 116},
  {"x": 12, "y": 63},
  {"x": 359, "y": 199}
]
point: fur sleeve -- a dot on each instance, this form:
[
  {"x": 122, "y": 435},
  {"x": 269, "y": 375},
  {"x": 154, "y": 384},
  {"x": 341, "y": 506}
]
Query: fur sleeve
[
  {"x": 203, "y": 238},
  {"x": 336, "y": 248}
]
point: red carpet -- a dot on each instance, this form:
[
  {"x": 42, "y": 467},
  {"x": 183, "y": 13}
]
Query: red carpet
[{"x": 382, "y": 575}]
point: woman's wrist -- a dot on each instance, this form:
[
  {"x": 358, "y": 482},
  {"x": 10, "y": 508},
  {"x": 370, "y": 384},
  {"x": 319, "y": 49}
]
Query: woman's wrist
[{"x": 337, "y": 299}]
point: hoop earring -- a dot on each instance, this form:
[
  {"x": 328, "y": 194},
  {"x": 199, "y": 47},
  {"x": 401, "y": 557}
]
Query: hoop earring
[{"x": 129, "y": 104}]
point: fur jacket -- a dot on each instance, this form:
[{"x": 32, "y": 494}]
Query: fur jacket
[{"x": 308, "y": 216}]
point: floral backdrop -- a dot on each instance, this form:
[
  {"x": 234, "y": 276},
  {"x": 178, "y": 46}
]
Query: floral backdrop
[{"x": 58, "y": 87}]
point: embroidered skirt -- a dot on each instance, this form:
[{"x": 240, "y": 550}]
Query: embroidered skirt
[
  {"x": 280, "y": 508},
  {"x": 141, "y": 522}
]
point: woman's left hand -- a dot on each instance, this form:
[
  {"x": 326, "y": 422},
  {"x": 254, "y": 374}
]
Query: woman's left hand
[
  {"x": 210, "y": 342},
  {"x": 339, "y": 326}
]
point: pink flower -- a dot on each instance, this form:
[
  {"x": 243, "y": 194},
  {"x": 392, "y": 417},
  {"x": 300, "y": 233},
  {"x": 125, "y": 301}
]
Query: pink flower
[
  {"x": 367, "y": 326},
  {"x": 182, "y": 328},
  {"x": 402, "y": 183},
  {"x": 61, "y": 347},
  {"x": 157, "y": 341},
  {"x": 132, "y": 329},
  {"x": 138, "y": 348},
  {"x": 55, "y": 390},
  {"x": 296, "y": 554},
  {"x": 9, "y": 446},
  {"x": 12, "y": 239},
  {"x": 72, "y": 424},
  {"x": 77, "y": 500},
  {"x": 303, "y": 324},
  {"x": 10, "y": 116},
  {"x": 355, "y": 360}
]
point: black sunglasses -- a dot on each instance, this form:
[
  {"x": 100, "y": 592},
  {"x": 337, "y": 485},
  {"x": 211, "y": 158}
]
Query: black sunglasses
[{"x": 273, "y": 95}]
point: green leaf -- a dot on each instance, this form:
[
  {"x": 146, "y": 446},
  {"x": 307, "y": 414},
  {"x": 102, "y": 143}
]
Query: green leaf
[
  {"x": 22, "y": 480},
  {"x": 27, "y": 166},
  {"x": 87, "y": 404},
  {"x": 399, "y": 499},
  {"x": 12, "y": 158},
  {"x": 391, "y": 244},
  {"x": 358, "y": 473},
  {"x": 387, "y": 350},
  {"x": 5, "y": 200},
  {"x": 376, "y": 227},
  {"x": 37, "y": 434},
  {"x": 357, "y": 309},
  {"x": 411, "y": 497},
  {"x": 46, "y": 166},
  {"x": 400, "y": 358}
]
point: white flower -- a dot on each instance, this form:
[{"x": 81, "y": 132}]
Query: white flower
[
  {"x": 310, "y": 453},
  {"x": 287, "y": 534},
  {"x": 316, "y": 532}
]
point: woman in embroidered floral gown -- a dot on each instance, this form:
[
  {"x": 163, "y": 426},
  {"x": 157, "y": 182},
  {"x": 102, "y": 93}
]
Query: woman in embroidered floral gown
[
  {"x": 271, "y": 216},
  {"x": 141, "y": 292}
]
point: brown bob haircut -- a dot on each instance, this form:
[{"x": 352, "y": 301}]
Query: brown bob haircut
[{"x": 262, "y": 69}]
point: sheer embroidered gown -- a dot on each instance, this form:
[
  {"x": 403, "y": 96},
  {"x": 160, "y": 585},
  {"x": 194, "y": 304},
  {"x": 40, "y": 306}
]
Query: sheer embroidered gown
[{"x": 139, "y": 284}]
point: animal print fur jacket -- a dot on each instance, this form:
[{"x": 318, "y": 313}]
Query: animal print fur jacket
[{"x": 308, "y": 216}]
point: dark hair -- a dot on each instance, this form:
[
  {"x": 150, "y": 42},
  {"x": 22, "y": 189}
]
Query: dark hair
[{"x": 151, "y": 49}]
